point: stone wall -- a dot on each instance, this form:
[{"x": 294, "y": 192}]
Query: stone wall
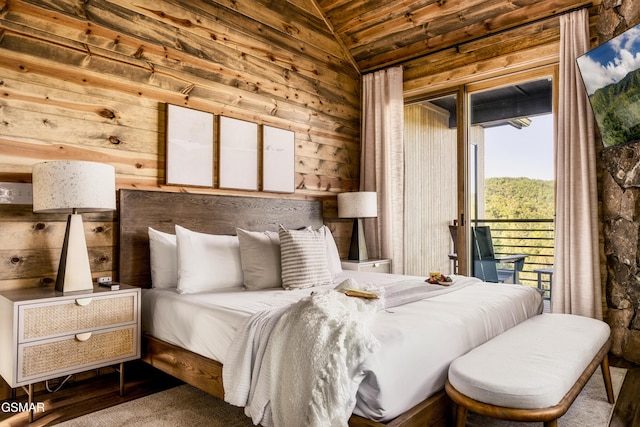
[
  {"x": 621, "y": 226},
  {"x": 620, "y": 185}
]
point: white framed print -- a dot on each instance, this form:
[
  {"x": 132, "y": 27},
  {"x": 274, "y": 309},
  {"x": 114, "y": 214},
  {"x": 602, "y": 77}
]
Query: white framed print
[
  {"x": 278, "y": 160},
  {"x": 238, "y": 154},
  {"x": 190, "y": 147}
]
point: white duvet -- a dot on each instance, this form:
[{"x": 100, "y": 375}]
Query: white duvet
[{"x": 417, "y": 341}]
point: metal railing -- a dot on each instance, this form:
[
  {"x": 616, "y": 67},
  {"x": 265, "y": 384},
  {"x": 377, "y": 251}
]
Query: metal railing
[{"x": 533, "y": 237}]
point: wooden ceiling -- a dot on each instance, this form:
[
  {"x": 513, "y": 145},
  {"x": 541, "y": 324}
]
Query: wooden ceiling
[{"x": 380, "y": 33}]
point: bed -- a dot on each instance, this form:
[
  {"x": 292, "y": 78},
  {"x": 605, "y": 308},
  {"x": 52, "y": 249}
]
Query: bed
[{"x": 200, "y": 362}]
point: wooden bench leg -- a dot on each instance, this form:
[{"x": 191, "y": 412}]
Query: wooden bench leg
[
  {"x": 461, "y": 416},
  {"x": 606, "y": 375},
  {"x": 552, "y": 423}
]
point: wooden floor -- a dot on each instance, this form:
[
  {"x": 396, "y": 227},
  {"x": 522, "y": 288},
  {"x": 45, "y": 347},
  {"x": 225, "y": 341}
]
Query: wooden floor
[
  {"x": 79, "y": 398},
  {"x": 75, "y": 399}
]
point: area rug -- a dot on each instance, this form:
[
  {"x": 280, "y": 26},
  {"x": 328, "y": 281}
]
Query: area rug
[
  {"x": 179, "y": 406},
  {"x": 187, "y": 406}
]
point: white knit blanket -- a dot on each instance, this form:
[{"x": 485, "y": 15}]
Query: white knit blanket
[{"x": 298, "y": 365}]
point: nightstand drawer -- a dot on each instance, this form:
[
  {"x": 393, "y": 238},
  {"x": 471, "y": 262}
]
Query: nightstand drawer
[
  {"x": 76, "y": 315},
  {"x": 73, "y": 353},
  {"x": 371, "y": 265},
  {"x": 377, "y": 267}
]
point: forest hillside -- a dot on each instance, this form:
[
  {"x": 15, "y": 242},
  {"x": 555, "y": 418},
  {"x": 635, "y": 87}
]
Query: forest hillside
[
  {"x": 617, "y": 110},
  {"x": 524, "y": 199},
  {"x": 518, "y": 198}
]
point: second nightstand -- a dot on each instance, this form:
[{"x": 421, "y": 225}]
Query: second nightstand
[{"x": 371, "y": 265}]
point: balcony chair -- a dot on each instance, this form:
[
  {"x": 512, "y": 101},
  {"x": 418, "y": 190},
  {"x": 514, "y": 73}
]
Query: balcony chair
[{"x": 485, "y": 263}]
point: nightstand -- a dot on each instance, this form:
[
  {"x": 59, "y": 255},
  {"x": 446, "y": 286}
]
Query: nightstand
[
  {"x": 45, "y": 334},
  {"x": 371, "y": 265}
]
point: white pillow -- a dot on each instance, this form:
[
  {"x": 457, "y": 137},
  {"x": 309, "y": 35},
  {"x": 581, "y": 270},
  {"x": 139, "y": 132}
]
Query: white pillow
[
  {"x": 333, "y": 256},
  {"x": 164, "y": 259},
  {"x": 207, "y": 261},
  {"x": 303, "y": 256},
  {"x": 260, "y": 255}
]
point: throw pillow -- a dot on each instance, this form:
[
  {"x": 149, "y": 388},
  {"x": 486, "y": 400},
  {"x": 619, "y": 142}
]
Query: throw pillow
[
  {"x": 260, "y": 255},
  {"x": 303, "y": 258}
]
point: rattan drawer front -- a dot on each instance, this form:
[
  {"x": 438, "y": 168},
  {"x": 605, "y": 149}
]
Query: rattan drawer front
[
  {"x": 70, "y": 354},
  {"x": 47, "y": 320}
]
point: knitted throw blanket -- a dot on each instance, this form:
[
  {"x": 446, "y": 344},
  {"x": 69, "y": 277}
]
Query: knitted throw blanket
[
  {"x": 304, "y": 363},
  {"x": 298, "y": 365}
]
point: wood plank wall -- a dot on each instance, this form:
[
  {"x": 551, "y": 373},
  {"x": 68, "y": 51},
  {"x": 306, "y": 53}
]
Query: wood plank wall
[
  {"x": 89, "y": 81},
  {"x": 106, "y": 68}
]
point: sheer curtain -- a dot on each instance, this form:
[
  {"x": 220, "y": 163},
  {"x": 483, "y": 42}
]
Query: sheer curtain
[
  {"x": 382, "y": 163},
  {"x": 576, "y": 279}
]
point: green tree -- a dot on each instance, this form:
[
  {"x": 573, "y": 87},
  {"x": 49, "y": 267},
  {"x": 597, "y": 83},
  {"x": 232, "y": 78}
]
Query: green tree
[
  {"x": 523, "y": 199},
  {"x": 518, "y": 198}
]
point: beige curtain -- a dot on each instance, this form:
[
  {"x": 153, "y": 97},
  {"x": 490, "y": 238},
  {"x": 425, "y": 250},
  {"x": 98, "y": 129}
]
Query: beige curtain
[
  {"x": 382, "y": 163},
  {"x": 576, "y": 279}
]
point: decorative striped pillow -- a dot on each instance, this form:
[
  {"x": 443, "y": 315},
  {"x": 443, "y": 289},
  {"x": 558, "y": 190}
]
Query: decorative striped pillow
[{"x": 303, "y": 258}]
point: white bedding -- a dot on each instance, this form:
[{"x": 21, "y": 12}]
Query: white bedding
[{"x": 418, "y": 341}]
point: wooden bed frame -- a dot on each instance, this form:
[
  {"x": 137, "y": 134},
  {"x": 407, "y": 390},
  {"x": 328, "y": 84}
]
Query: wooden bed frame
[{"x": 221, "y": 214}]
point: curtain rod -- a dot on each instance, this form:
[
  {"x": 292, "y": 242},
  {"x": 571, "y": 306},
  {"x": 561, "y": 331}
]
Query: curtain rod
[{"x": 484, "y": 36}]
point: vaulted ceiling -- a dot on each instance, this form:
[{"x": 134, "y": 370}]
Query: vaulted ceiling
[{"x": 380, "y": 33}]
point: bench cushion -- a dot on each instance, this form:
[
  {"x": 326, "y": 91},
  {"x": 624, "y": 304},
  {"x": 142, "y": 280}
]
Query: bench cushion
[{"x": 532, "y": 365}]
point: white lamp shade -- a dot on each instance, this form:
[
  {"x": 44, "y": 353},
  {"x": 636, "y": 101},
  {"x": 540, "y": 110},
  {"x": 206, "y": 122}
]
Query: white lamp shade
[
  {"x": 359, "y": 204},
  {"x": 61, "y": 186}
]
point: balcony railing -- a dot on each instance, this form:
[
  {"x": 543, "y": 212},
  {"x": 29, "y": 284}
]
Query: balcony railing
[{"x": 533, "y": 237}]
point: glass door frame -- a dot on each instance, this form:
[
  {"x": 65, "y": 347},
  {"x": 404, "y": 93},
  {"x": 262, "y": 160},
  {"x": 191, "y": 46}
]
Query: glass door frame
[
  {"x": 463, "y": 244},
  {"x": 462, "y": 93}
]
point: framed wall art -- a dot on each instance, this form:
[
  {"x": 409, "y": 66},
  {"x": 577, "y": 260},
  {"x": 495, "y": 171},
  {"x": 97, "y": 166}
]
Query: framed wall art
[
  {"x": 190, "y": 147},
  {"x": 278, "y": 163},
  {"x": 238, "y": 154}
]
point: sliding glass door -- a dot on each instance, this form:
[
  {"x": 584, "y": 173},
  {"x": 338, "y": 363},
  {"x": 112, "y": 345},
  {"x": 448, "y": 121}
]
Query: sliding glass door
[
  {"x": 453, "y": 145},
  {"x": 511, "y": 176}
]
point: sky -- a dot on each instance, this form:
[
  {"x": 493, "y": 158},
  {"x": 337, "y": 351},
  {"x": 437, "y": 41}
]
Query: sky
[
  {"x": 611, "y": 61},
  {"x": 526, "y": 152}
]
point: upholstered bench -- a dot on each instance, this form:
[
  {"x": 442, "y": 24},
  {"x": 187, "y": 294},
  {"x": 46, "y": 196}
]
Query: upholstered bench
[{"x": 531, "y": 372}]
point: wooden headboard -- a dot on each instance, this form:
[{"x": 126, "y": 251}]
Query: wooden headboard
[{"x": 205, "y": 213}]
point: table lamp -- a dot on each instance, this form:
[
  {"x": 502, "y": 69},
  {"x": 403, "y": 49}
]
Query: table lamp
[
  {"x": 358, "y": 205},
  {"x": 73, "y": 187}
]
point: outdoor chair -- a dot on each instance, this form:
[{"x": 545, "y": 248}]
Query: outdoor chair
[{"x": 485, "y": 262}]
